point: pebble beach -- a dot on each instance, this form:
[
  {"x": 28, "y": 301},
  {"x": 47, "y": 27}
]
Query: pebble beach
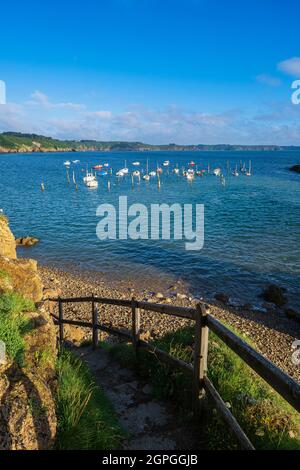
[{"x": 269, "y": 330}]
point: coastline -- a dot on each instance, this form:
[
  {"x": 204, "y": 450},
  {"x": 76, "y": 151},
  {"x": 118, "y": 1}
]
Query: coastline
[{"x": 271, "y": 332}]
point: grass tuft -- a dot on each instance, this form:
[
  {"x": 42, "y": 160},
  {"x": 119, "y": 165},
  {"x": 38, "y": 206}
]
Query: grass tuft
[
  {"x": 86, "y": 420},
  {"x": 13, "y": 324}
]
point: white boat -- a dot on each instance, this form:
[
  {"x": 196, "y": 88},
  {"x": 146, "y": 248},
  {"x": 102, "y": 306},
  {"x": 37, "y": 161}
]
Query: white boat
[
  {"x": 152, "y": 173},
  {"x": 249, "y": 172},
  {"x": 146, "y": 177},
  {"x": 89, "y": 177},
  {"x": 176, "y": 171},
  {"x": 190, "y": 176},
  {"x": 75, "y": 161},
  {"x": 217, "y": 172},
  {"x": 125, "y": 169},
  {"x": 136, "y": 163},
  {"x": 67, "y": 163},
  {"x": 120, "y": 173},
  {"x": 166, "y": 163},
  {"x": 235, "y": 172},
  {"x": 136, "y": 173},
  {"x": 92, "y": 184},
  {"x": 106, "y": 165}
]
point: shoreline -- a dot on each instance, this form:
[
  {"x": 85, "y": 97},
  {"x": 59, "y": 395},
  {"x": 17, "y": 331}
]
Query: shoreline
[{"x": 271, "y": 332}]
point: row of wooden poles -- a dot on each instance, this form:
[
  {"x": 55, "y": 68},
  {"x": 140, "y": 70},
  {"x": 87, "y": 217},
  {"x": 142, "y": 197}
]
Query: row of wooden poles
[{"x": 275, "y": 377}]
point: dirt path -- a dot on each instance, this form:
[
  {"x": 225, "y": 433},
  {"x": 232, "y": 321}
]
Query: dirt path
[{"x": 151, "y": 424}]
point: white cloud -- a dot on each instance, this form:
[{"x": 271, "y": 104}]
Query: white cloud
[
  {"x": 275, "y": 123},
  {"x": 268, "y": 80},
  {"x": 290, "y": 66},
  {"x": 99, "y": 115},
  {"x": 41, "y": 99}
]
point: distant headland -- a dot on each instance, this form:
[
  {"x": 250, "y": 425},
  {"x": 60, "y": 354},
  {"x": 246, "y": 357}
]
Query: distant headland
[{"x": 17, "y": 142}]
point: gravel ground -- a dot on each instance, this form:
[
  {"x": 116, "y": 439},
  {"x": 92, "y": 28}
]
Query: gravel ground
[{"x": 271, "y": 331}]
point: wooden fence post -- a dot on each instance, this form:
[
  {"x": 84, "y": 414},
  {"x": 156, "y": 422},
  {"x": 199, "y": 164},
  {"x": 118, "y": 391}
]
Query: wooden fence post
[
  {"x": 135, "y": 325},
  {"x": 61, "y": 325},
  {"x": 95, "y": 323},
  {"x": 200, "y": 356}
]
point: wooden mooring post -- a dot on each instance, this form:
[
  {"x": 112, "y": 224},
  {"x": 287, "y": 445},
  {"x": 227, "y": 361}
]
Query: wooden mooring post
[
  {"x": 135, "y": 325},
  {"x": 61, "y": 325},
  {"x": 200, "y": 356},
  {"x": 95, "y": 323}
]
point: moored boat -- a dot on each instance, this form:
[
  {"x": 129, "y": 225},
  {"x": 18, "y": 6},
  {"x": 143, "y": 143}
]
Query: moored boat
[
  {"x": 217, "y": 172},
  {"x": 92, "y": 184},
  {"x": 89, "y": 177},
  {"x": 235, "y": 172}
]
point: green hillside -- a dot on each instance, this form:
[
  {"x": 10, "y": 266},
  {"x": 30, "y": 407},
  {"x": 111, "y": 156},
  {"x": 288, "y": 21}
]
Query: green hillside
[{"x": 18, "y": 142}]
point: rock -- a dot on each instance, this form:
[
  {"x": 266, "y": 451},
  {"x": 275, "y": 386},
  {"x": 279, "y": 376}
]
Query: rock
[
  {"x": 290, "y": 313},
  {"x": 27, "y": 241},
  {"x": 222, "y": 297},
  {"x": 27, "y": 413},
  {"x": 295, "y": 168},
  {"x": 7, "y": 240},
  {"x": 23, "y": 276},
  {"x": 181, "y": 296},
  {"x": 275, "y": 294},
  {"x": 159, "y": 295},
  {"x": 172, "y": 287},
  {"x": 168, "y": 300},
  {"x": 74, "y": 334}
]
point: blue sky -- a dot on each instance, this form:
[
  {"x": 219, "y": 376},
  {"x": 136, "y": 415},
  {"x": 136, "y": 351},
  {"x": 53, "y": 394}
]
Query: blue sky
[{"x": 192, "y": 71}]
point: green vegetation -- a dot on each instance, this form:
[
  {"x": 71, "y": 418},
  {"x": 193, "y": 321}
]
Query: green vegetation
[
  {"x": 13, "y": 324},
  {"x": 268, "y": 420},
  {"x": 16, "y": 141},
  {"x": 86, "y": 420}
]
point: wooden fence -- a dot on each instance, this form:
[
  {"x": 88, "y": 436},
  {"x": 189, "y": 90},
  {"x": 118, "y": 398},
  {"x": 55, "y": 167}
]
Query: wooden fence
[{"x": 275, "y": 377}]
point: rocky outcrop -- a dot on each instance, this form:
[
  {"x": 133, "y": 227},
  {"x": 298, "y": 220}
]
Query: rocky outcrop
[
  {"x": 291, "y": 313},
  {"x": 222, "y": 297},
  {"x": 275, "y": 294},
  {"x": 27, "y": 241},
  {"x": 27, "y": 413},
  {"x": 7, "y": 240},
  {"x": 22, "y": 277},
  {"x": 295, "y": 168},
  {"x": 74, "y": 334}
]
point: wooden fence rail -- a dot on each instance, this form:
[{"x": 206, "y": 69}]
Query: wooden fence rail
[{"x": 288, "y": 388}]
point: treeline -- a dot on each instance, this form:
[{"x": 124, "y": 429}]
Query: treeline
[{"x": 19, "y": 142}]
